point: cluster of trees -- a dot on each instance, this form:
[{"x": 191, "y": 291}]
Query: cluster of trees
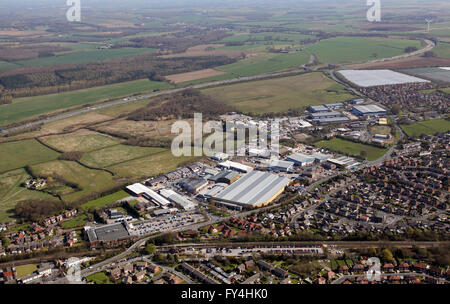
[
  {"x": 24, "y": 52},
  {"x": 5, "y": 99},
  {"x": 180, "y": 105},
  {"x": 36, "y": 210},
  {"x": 410, "y": 49},
  {"x": 32, "y": 81},
  {"x": 71, "y": 156}
]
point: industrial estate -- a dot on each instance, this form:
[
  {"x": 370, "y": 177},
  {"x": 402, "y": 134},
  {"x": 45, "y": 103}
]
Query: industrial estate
[{"x": 357, "y": 170}]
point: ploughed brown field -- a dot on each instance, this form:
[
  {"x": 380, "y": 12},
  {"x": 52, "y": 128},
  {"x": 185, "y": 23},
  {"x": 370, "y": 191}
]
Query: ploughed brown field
[{"x": 183, "y": 77}]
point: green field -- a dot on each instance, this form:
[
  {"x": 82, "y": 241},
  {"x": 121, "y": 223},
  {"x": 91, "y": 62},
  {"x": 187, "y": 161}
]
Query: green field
[
  {"x": 442, "y": 50},
  {"x": 89, "y": 180},
  {"x": 18, "y": 154},
  {"x": 354, "y": 49},
  {"x": 351, "y": 148},
  {"x": 428, "y": 127},
  {"x": 75, "y": 222},
  {"x": 152, "y": 165},
  {"x": 265, "y": 63},
  {"x": 78, "y": 57},
  {"x": 105, "y": 200},
  {"x": 28, "y": 107},
  {"x": 81, "y": 142},
  {"x": 11, "y": 192},
  {"x": 281, "y": 94},
  {"x": 117, "y": 154},
  {"x": 25, "y": 270},
  {"x": 99, "y": 278}
]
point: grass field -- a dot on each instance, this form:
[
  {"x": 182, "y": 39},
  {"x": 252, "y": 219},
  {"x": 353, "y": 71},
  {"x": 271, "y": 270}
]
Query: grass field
[
  {"x": 32, "y": 106},
  {"x": 81, "y": 57},
  {"x": 16, "y": 155},
  {"x": 89, "y": 180},
  {"x": 99, "y": 278},
  {"x": 105, "y": 200},
  {"x": 75, "y": 222},
  {"x": 442, "y": 50},
  {"x": 117, "y": 154},
  {"x": 264, "y": 63},
  {"x": 80, "y": 142},
  {"x": 427, "y": 127},
  {"x": 351, "y": 148},
  {"x": 25, "y": 270},
  {"x": 281, "y": 94},
  {"x": 11, "y": 192},
  {"x": 151, "y": 165},
  {"x": 355, "y": 49}
]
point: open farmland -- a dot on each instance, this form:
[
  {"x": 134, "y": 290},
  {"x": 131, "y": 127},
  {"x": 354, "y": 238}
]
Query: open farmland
[
  {"x": 28, "y": 107},
  {"x": 12, "y": 192},
  {"x": 14, "y": 155},
  {"x": 355, "y": 49},
  {"x": 152, "y": 165},
  {"x": 442, "y": 50},
  {"x": 428, "y": 127},
  {"x": 80, "y": 57},
  {"x": 117, "y": 154},
  {"x": 281, "y": 94},
  {"x": 105, "y": 200},
  {"x": 265, "y": 63},
  {"x": 83, "y": 142},
  {"x": 88, "y": 180},
  {"x": 184, "y": 77},
  {"x": 351, "y": 148}
]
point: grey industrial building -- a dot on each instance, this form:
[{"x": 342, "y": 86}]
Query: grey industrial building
[
  {"x": 321, "y": 115},
  {"x": 364, "y": 110},
  {"x": 227, "y": 177},
  {"x": 317, "y": 109},
  {"x": 255, "y": 189},
  {"x": 193, "y": 185},
  {"x": 334, "y": 106},
  {"x": 331, "y": 120},
  {"x": 108, "y": 233},
  {"x": 281, "y": 165}
]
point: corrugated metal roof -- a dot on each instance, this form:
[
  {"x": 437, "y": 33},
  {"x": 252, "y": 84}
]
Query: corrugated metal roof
[{"x": 254, "y": 188}]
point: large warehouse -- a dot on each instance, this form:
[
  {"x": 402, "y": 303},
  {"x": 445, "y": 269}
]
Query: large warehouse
[
  {"x": 372, "y": 109},
  {"x": 371, "y": 78},
  {"x": 255, "y": 189},
  {"x": 149, "y": 194}
]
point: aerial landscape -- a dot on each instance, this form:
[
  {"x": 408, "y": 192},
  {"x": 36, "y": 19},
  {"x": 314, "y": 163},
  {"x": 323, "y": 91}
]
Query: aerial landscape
[{"x": 252, "y": 142}]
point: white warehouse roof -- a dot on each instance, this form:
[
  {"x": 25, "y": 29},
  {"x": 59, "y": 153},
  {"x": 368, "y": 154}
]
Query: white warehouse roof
[
  {"x": 255, "y": 188},
  {"x": 372, "y": 78},
  {"x": 139, "y": 189}
]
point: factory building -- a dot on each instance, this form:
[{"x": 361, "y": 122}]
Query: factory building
[
  {"x": 334, "y": 106},
  {"x": 317, "y": 109},
  {"x": 193, "y": 185},
  {"x": 255, "y": 189},
  {"x": 114, "y": 233},
  {"x": 235, "y": 166},
  {"x": 140, "y": 190},
  {"x": 321, "y": 115},
  {"x": 281, "y": 165},
  {"x": 366, "y": 110},
  {"x": 227, "y": 177},
  {"x": 323, "y": 121},
  {"x": 178, "y": 199},
  {"x": 300, "y": 159}
]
